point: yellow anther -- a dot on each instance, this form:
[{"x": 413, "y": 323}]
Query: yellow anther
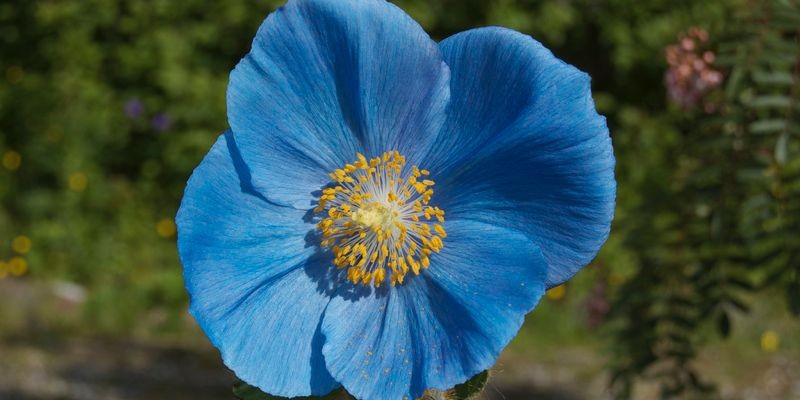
[
  {"x": 403, "y": 265},
  {"x": 415, "y": 267},
  {"x": 436, "y": 243},
  {"x": 366, "y": 278},
  {"x": 379, "y": 275},
  {"x": 353, "y": 274},
  {"x": 374, "y": 228}
]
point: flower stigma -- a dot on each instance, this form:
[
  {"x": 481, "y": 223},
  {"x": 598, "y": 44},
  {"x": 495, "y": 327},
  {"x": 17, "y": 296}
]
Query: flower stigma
[{"x": 376, "y": 220}]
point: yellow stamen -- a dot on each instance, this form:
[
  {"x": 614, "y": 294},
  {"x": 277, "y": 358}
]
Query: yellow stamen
[{"x": 375, "y": 219}]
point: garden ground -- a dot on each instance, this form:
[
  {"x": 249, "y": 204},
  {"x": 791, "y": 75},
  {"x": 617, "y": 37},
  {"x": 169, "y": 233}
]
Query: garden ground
[{"x": 44, "y": 359}]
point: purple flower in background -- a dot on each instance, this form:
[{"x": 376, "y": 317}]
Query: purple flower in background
[
  {"x": 691, "y": 74},
  {"x": 161, "y": 122},
  {"x": 134, "y": 108}
]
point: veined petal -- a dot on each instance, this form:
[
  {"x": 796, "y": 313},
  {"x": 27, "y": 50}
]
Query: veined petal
[
  {"x": 326, "y": 79},
  {"x": 440, "y": 328},
  {"x": 523, "y": 147},
  {"x": 244, "y": 262}
]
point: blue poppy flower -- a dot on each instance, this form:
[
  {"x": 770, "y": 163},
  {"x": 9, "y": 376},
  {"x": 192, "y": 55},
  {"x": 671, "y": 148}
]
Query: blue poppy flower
[{"x": 385, "y": 210}]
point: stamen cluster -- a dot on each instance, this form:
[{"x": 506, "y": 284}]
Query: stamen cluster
[{"x": 376, "y": 219}]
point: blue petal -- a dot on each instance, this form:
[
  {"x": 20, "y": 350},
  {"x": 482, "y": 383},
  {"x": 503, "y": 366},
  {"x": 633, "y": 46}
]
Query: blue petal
[
  {"x": 326, "y": 79},
  {"x": 244, "y": 263},
  {"x": 523, "y": 147},
  {"x": 440, "y": 328}
]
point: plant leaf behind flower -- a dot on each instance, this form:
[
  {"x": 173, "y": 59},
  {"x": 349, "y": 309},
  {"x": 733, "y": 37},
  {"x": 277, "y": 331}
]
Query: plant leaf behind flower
[{"x": 469, "y": 390}]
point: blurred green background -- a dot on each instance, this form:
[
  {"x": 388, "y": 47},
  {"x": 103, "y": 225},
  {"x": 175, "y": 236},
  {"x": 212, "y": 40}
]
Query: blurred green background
[{"x": 106, "y": 106}]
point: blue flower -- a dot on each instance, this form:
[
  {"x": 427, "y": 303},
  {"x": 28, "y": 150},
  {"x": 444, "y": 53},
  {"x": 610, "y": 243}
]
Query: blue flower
[
  {"x": 385, "y": 210},
  {"x": 133, "y": 108},
  {"x": 161, "y": 122}
]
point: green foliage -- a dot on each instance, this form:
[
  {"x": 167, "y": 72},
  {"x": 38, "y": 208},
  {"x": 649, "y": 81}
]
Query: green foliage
[
  {"x": 94, "y": 184},
  {"x": 766, "y": 95},
  {"x": 728, "y": 223}
]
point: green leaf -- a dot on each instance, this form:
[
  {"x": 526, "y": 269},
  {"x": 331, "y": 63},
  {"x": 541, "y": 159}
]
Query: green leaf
[
  {"x": 724, "y": 324},
  {"x": 472, "y": 388},
  {"x": 751, "y": 174},
  {"x": 741, "y": 283},
  {"x": 768, "y": 126},
  {"x": 793, "y": 292},
  {"x": 244, "y": 391},
  {"x": 734, "y": 80},
  {"x": 782, "y": 148},
  {"x": 773, "y": 78},
  {"x": 784, "y": 23},
  {"x": 469, "y": 390},
  {"x": 771, "y": 101},
  {"x": 739, "y": 304}
]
